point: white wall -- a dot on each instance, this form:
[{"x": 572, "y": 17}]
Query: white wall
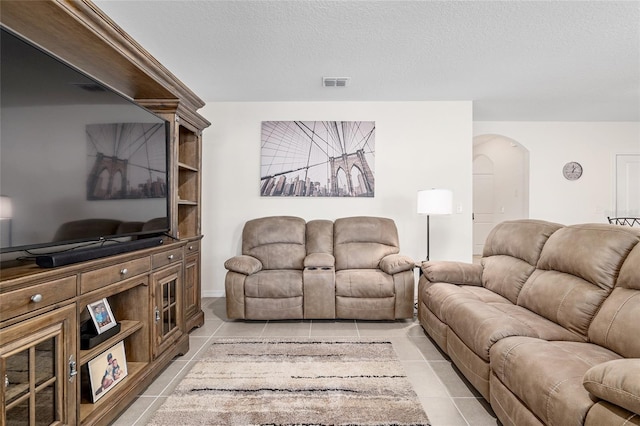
[
  {"x": 419, "y": 145},
  {"x": 553, "y": 144}
]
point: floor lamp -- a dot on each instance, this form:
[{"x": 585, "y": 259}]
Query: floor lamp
[{"x": 434, "y": 202}]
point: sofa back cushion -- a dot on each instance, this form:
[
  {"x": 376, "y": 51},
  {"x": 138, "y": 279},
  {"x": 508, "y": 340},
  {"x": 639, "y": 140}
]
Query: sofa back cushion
[
  {"x": 277, "y": 241},
  {"x": 578, "y": 267},
  {"x": 510, "y": 254},
  {"x": 320, "y": 236},
  {"x": 361, "y": 242},
  {"x": 616, "y": 323}
]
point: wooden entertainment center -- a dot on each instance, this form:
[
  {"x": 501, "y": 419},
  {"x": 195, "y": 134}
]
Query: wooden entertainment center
[{"x": 153, "y": 293}]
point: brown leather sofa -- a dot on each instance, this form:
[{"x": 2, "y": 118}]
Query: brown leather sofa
[
  {"x": 546, "y": 328},
  {"x": 293, "y": 269}
]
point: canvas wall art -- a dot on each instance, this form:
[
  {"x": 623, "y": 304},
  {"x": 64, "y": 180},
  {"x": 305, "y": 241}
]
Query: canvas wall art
[{"x": 317, "y": 159}]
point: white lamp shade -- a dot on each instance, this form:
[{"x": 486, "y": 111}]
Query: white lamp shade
[
  {"x": 435, "y": 201},
  {"x": 6, "y": 210}
]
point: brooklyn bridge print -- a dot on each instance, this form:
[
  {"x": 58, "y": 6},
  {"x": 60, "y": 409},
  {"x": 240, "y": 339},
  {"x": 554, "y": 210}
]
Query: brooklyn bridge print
[{"x": 317, "y": 159}]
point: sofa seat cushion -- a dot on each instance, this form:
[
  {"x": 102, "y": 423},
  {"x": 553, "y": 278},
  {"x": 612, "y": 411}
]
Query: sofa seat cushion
[
  {"x": 605, "y": 413},
  {"x": 547, "y": 375},
  {"x": 480, "y": 325},
  {"x": 364, "y": 283},
  {"x": 274, "y": 284},
  {"x": 617, "y": 381},
  {"x": 439, "y": 297},
  {"x": 273, "y": 309}
]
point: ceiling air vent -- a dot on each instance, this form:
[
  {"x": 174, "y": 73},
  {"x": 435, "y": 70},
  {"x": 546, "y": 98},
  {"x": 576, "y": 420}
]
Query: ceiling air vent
[{"x": 335, "y": 81}]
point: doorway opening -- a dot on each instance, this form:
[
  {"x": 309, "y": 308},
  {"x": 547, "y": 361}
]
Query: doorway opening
[{"x": 500, "y": 184}]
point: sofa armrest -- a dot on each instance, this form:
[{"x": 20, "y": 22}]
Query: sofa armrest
[
  {"x": 394, "y": 263},
  {"x": 243, "y": 264},
  {"x": 453, "y": 272},
  {"x": 319, "y": 260},
  {"x": 617, "y": 382}
]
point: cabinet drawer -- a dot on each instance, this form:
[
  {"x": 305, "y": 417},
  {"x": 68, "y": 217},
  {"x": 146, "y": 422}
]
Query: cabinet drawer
[
  {"x": 25, "y": 300},
  {"x": 92, "y": 280},
  {"x": 166, "y": 257},
  {"x": 192, "y": 247}
]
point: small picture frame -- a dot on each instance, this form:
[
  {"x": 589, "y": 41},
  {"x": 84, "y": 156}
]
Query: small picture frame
[
  {"x": 101, "y": 315},
  {"x": 107, "y": 370}
]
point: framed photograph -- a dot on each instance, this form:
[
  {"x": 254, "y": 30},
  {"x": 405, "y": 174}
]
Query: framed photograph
[
  {"x": 107, "y": 370},
  {"x": 317, "y": 159},
  {"x": 101, "y": 315}
]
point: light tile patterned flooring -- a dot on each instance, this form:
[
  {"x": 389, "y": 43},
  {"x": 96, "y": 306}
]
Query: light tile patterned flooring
[{"x": 445, "y": 395}]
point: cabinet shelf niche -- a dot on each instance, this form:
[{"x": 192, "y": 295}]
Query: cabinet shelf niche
[
  {"x": 135, "y": 372},
  {"x": 127, "y": 329}
]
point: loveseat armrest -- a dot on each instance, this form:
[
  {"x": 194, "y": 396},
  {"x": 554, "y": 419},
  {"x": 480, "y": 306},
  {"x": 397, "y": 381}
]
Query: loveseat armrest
[
  {"x": 394, "y": 263},
  {"x": 452, "y": 272},
  {"x": 243, "y": 264},
  {"x": 617, "y": 382},
  {"x": 319, "y": 260}
]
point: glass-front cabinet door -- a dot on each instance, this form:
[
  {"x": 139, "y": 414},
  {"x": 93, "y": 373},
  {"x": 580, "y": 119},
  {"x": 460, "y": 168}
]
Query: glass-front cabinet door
[
  {"x": 167, "y": 286},
  {"x": 37, "y": 364}
]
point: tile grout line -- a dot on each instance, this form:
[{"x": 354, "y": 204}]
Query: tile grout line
[
  {"x": 441, "y": 382},
  {"x": 175, "y": 377}
]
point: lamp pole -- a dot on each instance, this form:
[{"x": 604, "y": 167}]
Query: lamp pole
[{"x": 427, "y": 238}]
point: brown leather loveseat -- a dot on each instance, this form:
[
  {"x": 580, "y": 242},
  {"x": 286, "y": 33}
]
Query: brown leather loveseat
[
  {"x": 293, "y": 269},
  {"x": 547, "y": 328}
]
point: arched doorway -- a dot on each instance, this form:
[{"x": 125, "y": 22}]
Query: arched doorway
[{"x": 500, "y": 184}]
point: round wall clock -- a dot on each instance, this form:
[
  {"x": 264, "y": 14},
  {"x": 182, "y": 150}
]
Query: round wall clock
[{"x": 572, "y": 170}]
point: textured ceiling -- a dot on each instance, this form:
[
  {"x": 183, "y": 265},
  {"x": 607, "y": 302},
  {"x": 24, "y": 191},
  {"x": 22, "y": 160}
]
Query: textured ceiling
[{"x": 516, "y": 60}]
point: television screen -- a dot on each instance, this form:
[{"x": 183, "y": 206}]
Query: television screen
[{"x": 78, "y": 161}]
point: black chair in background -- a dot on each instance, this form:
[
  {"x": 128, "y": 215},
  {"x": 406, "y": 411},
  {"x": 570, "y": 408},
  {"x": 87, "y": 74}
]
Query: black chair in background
[{"x": 626, "y": 221}]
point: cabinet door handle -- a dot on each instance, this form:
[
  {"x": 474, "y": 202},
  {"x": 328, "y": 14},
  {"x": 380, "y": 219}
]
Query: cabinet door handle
[
  {"x": 73, "y": 371},
  {"x": 124, "y": 271},
  {"x": 36, "y": 298},
  {"x": 157, "y": 314}
]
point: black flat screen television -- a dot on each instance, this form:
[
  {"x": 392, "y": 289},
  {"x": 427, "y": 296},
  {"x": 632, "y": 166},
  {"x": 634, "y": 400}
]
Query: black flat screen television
[{"x": 79, "y": 162}]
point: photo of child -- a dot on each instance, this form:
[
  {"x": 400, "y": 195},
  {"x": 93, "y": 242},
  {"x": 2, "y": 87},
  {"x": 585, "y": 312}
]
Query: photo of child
[
  {"x": 106, "y": 371},
  {"x": 101, "y": 315}
]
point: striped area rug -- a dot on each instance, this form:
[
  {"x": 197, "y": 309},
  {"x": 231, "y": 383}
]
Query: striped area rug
[{"x": 294, "y": 382}]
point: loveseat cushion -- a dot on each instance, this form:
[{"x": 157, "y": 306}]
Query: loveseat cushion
[
  {"x": 361, "y": 242},
  {"x": 319, "y": 236},
  {"x": 274, "y": 284},
  {"x": 277, "y": 241},
  {"x": 364, "y": 283},
  {"x": 577, "y": 269},
  {"x": 616, "y": 381},
  {"x": 547, "y": 375}
]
